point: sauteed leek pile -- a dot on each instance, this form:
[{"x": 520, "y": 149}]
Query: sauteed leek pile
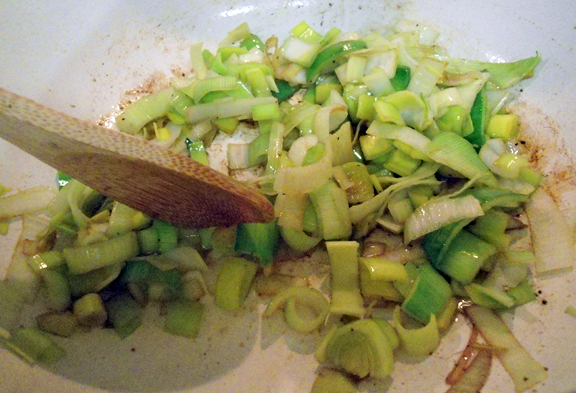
[{"x": 397, "y": 162}]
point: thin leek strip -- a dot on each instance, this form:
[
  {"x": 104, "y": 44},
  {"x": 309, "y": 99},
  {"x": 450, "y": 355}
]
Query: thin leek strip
[
  {"x": 298, "y": 114},
  {"x": 124, "y": 219},
  {"x": 492, "y": 197},
  {"x": 406, "y": 135},
  {"x": 323, "y": 122},
  {"x": 275, "y": 145},
  {"x": 491, "y": 228},
  {"x": 84, "y": 259},
  {"x": 184, "y": 318},
  {"x": 552, "y": 237},
  {"x": 359, "y": 212},
  {"x": 436, "y": 243},
  {"x": 144, "y": 111},
  {"x": 258, "y": 240},
  {"x": 381, "y": 269},
  {"x": 94, "y": 280},
  {"x": 76, "y": 198},
  {"x": 524, "y": 370},
  {"x": 218, "y": 109},
  {"x": 299, "y": 240},
  {"x": 457, "y": 153},
  {"x": 331, "y": 205},
  {"x": 426, "y": 75},
  {"x": 182, "y": 258},
  {"x": 309, "y": 297},
  {"x": 436, "y": 214},
  {"x": 289, "y": 208},
  {"x": 346, "y": 298},
  {"x": 198, "y": 65},
  {"x": 239, "y": 33},
  {"x": 46, "y": 260},
  {"x": 475, "y": 375},
  {"x": 25, "y": 202},
  {"x": 341, "y": 144},
  {"x": 417, "y": 342},
  {"x": 303, "y": 180},
  {"x": 428, "y": 296},
  {"x": 300, "y": 147},
  {"x": 23, "y": 279},
  {"x": 465, "y": 257},
  {"x": 205, "y": 86},
  {"x": 360, "y": 189},
  {"x": 326, "y": 59},
  {"x": 360, "y": 348},
  {"x": 125, "y": 314},
  {"x": 489, "y": 297},
  {"x": 32, "y": 345},
  {"x": 234, "y": 281}
]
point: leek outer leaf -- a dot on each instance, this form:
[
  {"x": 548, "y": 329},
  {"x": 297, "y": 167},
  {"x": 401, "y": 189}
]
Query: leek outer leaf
[
  {"x": 502, "y": 75},
  {"x": 429, "y": 294},
  {"x": 33, "y": 345},
  {"x": 455, "y": 152},
  {"x": 552, "y": 237},
  {"x": 438, "y": 213},
  {"x": 24, "y": 202},
  {"x": 465, "y": 257},
  {"x": 524, "y": 370},
  {"x": 329, "y": 56},
  {"x": 346, "y": 298},
  {"x": 95, "y": 256},
  {"x": 145, "y": 110},
  {"x": 224, "y": 108}
]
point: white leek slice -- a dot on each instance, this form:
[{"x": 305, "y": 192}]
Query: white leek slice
[
  {"x": 552, "y": 238},
  {"x": 346, "y": 298},
  {"x": 300, "y": 147},
  {"x": 434, "y": 215},
  {"x": 524, "y": 370},
  {"x": 303, "y": 180},
  {"x": 28, "y": 201},
  {"x": 225, "y": 108},
  {"x": 23, "y": 279},
  {"x": 305, "y": 296}
]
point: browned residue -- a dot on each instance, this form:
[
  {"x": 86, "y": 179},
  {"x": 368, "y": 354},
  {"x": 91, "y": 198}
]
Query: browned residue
[{"x": 541, "y": 136}]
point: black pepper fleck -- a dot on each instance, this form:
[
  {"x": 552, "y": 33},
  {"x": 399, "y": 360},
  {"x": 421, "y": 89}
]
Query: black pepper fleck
[
  {"x": 544, "y": 302},
  {"x": 133, "y": 349}
]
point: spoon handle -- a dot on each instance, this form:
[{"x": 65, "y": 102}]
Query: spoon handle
[{"x": 154, "y": 180}]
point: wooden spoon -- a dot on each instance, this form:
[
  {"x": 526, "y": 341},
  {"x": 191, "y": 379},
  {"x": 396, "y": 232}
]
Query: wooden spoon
[{"x": 156, "y": 181}]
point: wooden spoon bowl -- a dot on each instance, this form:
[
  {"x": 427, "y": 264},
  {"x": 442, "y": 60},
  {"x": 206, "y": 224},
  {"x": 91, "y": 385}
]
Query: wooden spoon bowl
[{"x": 154, "y": 180}]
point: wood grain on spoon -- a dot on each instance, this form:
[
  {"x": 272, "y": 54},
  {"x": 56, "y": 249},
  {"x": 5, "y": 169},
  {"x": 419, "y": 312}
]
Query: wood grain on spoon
[{"x": 163, "y": 184}]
